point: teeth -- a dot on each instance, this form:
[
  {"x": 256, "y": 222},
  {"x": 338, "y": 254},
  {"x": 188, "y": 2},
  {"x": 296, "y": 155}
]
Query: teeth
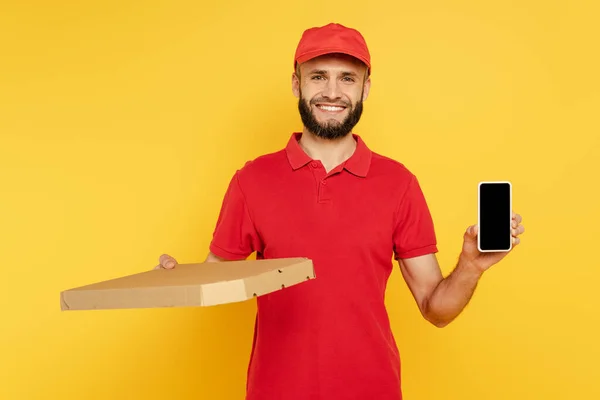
[{"x": 331, "y": 108}]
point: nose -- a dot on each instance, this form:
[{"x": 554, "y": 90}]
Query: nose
[{"x": 332, "y": 90}]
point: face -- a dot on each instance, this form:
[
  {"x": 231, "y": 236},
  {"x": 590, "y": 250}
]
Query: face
[{"x": 331, "y": 90}]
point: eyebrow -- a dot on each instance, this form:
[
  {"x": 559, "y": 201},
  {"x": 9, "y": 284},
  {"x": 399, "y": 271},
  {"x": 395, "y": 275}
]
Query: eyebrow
[{"x": 324, "y": 72}]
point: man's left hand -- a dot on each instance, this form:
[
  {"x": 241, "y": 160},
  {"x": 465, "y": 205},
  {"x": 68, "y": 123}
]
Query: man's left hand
[{"x": 483, "y": 261}]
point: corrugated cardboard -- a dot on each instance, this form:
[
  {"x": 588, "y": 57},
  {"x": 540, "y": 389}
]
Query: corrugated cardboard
[{"x": 203, "y": 284}]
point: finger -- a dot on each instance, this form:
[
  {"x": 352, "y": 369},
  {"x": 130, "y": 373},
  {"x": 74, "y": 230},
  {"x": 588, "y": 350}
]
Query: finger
[
  {"x": 516, "y": 241},
  {"x": 516, "y": 220},
  {"x": 518, "y": 230},
  {"x": 164, "y": 258},
  {"x": 168, "y": 265},
  {"x": 167, "y": 261}
]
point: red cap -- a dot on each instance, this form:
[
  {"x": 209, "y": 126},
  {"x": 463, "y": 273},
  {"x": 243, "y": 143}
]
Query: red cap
[{"x": 332, "y": 38}]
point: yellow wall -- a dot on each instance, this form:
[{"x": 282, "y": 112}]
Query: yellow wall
[{"x": 122, "y": 122}]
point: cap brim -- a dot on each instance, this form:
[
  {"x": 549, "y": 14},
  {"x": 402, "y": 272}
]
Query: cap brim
[{"x": 321, "y": 52}]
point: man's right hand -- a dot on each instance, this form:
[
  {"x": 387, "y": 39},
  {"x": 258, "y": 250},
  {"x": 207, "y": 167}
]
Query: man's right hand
[{"x": 166, "y": 262}]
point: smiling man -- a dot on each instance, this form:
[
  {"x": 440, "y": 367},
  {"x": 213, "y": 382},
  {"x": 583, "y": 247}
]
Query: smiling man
[
  {"x": 328, "y": 197},
  {"x": 325, "y": 113}
]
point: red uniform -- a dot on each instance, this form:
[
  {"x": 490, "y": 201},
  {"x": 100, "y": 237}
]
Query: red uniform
[{"x": 327, "y": 338}]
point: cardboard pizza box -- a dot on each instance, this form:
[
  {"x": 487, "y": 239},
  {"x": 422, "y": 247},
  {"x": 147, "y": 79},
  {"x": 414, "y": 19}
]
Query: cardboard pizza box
[{"x": 203, "y": 284}]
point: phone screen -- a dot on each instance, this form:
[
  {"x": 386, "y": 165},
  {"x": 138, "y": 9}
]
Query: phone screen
[{"x": 495, "y": 216}]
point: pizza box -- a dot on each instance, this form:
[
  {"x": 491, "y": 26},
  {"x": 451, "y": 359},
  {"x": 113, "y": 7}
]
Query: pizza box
[{"x": 189, "y": 285}]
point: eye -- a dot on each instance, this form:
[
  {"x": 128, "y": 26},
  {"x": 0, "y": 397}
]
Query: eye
[
  {"x": 317, "y": 77},
  {"x": 348, "y": 79}
]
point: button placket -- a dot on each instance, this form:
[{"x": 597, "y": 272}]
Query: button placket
[
  {"x": 324, "y": 191},
  {"x": 320, "y": 176}
]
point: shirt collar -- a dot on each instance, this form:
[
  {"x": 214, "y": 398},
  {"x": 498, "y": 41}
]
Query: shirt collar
[{"x": 358, "y": 164}]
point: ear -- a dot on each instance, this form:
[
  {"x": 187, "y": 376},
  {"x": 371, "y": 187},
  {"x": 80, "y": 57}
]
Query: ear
[
  {"x": 295, "y": 85},
  {"x": 366, "y": 89}
]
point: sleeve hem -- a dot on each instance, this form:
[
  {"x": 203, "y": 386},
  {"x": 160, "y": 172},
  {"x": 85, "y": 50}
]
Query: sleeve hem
[
  {"x": 220, "y": 252},
  {"x": 432, "y": 248}
]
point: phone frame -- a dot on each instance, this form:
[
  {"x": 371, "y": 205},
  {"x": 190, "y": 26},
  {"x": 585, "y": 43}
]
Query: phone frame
[{"x": 510, "y": 187}]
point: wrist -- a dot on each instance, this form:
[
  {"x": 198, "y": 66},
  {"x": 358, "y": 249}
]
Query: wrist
[{"x": 469, "y": 266}]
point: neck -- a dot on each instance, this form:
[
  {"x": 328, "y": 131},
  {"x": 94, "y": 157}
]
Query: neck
[{"x": 331, "y": 153}]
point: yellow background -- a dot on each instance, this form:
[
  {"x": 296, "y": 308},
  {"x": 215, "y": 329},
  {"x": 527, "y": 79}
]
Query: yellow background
[{"x": 121, "y": 123}]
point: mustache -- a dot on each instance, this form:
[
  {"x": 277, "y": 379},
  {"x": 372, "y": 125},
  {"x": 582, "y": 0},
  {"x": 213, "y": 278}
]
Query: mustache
[{"x": 337, "y": 103}]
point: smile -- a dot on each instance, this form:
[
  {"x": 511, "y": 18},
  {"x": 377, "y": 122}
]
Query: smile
[{"x": 330, "y": 108}]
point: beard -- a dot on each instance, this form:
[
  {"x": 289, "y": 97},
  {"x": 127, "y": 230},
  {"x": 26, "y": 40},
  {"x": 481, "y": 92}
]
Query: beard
[{"x": 330, "y": 130}]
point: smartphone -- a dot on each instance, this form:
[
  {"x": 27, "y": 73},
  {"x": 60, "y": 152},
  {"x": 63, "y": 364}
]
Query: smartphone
[{"x": 494, "y": 216}]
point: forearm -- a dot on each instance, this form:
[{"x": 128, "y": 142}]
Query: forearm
[
  {"x": 211, "y": 257},
  {"x": 452, "y": 294}
]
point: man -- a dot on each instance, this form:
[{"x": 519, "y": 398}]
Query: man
[{"x": 327, "y": 197}]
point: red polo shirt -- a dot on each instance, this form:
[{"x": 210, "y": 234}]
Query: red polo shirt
[{"x": 327, "y": 338}]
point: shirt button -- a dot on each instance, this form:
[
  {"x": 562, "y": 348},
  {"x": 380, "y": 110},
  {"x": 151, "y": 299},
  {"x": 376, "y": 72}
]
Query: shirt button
[
  {"x": 323, "y": 183},
  {"x": 314, "y": 164}
]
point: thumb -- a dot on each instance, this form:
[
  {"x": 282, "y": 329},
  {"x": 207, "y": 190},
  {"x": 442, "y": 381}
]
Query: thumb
[
  {"x": 169, "y": 264},
  {"x": 472, "y": 231}
]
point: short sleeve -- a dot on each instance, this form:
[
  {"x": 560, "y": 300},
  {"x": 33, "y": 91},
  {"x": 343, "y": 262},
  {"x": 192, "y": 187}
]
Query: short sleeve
[
  {"x": 235, "y": 236},
  {"x": 414, "y": 233}
]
